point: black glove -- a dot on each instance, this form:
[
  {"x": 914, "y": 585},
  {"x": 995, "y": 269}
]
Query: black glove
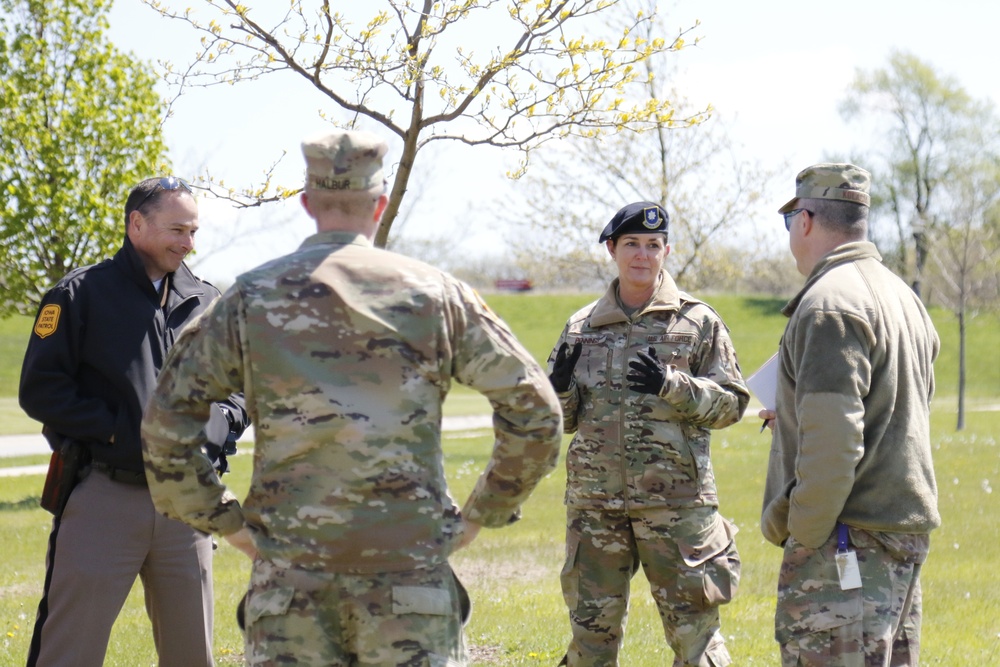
[
  {"x": 562, "y": 368},
  {"x": 223, "y": 430},
  {"x": 647, "y": 375},
  {"x": 235, "y": 430}
]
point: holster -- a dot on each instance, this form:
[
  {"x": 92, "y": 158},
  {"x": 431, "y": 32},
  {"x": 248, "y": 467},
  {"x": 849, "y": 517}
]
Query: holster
[{"x": 69, "y": 457}]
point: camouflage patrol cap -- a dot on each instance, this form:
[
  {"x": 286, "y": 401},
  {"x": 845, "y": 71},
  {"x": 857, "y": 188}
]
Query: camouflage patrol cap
[
  {"x": 841, "y": 181},
  {"x": 344, "y": 160},
  {"x": 641, "y": 217}
]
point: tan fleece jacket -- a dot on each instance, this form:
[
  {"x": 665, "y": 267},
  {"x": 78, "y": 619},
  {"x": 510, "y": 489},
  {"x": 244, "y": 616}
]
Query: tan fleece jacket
[{"x": 852, "y": 436}]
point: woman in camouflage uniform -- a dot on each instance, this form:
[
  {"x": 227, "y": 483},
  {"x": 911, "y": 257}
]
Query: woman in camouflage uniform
[{"x": 643, "y": 374}]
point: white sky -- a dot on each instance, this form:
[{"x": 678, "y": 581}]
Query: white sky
[{"x": 774, "y": 69}]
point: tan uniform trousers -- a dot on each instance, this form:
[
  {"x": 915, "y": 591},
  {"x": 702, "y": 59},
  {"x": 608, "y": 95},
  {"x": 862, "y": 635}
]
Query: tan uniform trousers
[{"x": 108, "y": 534}]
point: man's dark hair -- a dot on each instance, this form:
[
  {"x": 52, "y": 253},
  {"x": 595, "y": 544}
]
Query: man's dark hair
[{"x": 147, "y": 194}]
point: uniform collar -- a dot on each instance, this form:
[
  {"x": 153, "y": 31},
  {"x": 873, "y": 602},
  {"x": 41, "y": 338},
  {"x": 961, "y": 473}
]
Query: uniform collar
[
  {"x": 181, "y": 281},
  {"x": 842, "y": 254},
  {"x": 607, "y": 311},
  {"x": 336, "y": 238}
]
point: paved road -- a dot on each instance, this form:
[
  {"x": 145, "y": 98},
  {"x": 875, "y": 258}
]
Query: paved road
[{"x": 26, "y": 445}]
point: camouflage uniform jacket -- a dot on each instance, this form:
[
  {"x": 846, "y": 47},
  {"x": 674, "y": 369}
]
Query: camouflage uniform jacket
[
  {"x": 635, "y": 450},
  {"x": 852, "y": 435},
  {"x": 346, "y": 353}
]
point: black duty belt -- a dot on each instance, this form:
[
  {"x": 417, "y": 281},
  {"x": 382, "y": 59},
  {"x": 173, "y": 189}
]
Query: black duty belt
[{"x": 120, "y": 474}]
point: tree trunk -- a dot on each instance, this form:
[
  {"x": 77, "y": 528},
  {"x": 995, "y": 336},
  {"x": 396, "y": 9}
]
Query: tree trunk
[
  {"x": 961, "y": 368},
  {"x": 920, "y": 252}
]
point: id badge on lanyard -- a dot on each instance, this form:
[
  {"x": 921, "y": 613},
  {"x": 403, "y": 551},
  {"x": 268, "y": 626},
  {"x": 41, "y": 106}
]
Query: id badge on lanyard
[{"x": 847, "y": 562}]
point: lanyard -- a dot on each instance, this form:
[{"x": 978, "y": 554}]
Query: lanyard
[{"x": 841, "y": 537}]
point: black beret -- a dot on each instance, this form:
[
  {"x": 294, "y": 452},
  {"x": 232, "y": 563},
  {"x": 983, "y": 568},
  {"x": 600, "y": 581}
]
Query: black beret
[{"x": 642, "y": 217}]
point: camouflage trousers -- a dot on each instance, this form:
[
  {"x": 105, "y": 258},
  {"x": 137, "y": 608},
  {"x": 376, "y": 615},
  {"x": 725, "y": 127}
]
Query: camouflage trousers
[
  {"x": 689, "y": 558},
  {"x": 322, "y": 619},
  {"x": 877, "y": 625}
]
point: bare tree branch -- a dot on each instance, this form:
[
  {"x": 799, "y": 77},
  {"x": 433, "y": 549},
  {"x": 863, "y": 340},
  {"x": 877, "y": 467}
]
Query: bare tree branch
[{"x": 563, "y": 73}]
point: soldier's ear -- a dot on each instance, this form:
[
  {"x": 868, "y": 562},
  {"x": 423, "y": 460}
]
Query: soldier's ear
[
  {"x": 808, "y": 222},
  {"x": 380, "y": 206}
]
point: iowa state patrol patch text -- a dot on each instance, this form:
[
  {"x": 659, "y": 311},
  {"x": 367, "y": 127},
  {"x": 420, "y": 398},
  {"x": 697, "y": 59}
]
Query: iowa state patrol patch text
[{"x": 48, "y": 320}]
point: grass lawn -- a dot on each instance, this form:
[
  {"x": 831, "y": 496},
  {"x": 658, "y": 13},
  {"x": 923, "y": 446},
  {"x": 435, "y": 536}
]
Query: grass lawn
[
  {"x": 513, "y": 573},
  {"x": 755, "y": 323}
]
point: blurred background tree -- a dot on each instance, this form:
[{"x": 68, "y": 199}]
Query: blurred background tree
[
  {"x": 79, "y": 126},
  {"x": 926, "y": 126},
  {"x": 556, "y": 70},
  {"x": 692, "y": 171}
]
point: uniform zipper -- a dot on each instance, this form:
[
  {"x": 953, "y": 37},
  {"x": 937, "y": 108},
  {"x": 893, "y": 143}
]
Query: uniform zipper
[{"x": 622, "y": 430}]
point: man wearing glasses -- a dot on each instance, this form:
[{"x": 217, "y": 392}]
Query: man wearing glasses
[
  {"x": 98, "y": 344},
  {"x": 850, "y": 492}
]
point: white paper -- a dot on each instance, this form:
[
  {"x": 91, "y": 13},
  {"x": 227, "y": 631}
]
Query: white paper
[{"x": 764, "y": 382}]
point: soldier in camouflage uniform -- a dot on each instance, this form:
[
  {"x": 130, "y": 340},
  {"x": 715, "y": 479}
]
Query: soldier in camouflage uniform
[
  {"x": 643, "y": 375},
  {"x": 850, "y": 492},
  {"x": 346, "y": 353}
]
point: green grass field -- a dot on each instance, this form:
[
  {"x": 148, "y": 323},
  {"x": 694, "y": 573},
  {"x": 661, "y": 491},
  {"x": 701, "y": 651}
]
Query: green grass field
[{"x": 512, "y": 574}]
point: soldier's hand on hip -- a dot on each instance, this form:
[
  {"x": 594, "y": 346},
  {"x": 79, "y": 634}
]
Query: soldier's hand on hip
[
  {"x": 562, "y": 368},
  {"x": 241, "y": 540},
  {"x": 469, "y": 533}
]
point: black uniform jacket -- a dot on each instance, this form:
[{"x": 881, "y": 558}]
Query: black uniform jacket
[{"x": 99, "y": 341}]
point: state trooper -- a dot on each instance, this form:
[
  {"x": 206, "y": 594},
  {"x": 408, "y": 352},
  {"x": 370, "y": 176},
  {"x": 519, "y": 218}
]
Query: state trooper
[
  {"x": 643, "y": 375},
  {"x": 346, "y": 353},
  {"x": 99, "y": 340}
]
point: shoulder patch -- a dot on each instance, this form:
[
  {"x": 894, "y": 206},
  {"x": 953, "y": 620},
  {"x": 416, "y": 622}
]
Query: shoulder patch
[
  {"x": 481, "y": 300},
  {"x": 482, "y": 304},
  {"x": 48, "y": 321}
]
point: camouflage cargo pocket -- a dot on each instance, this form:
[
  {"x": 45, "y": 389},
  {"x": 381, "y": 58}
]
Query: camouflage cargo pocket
[
  {"x": 809, "y": 596},
  {"x": 570, "y": 574},
  {"x": 716, "y": 553},
  {"x": 273, "y": 602}
]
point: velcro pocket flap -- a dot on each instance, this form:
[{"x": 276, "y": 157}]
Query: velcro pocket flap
[
  {"x": 273, "y": 602},
  {"x": 709, "y": 543},
  {"x": 833, "y": 608},
  {"x": 421, "y": 600}
]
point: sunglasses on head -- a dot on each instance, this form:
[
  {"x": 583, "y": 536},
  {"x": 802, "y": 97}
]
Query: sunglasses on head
[{"x": 165, "y": 183}]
